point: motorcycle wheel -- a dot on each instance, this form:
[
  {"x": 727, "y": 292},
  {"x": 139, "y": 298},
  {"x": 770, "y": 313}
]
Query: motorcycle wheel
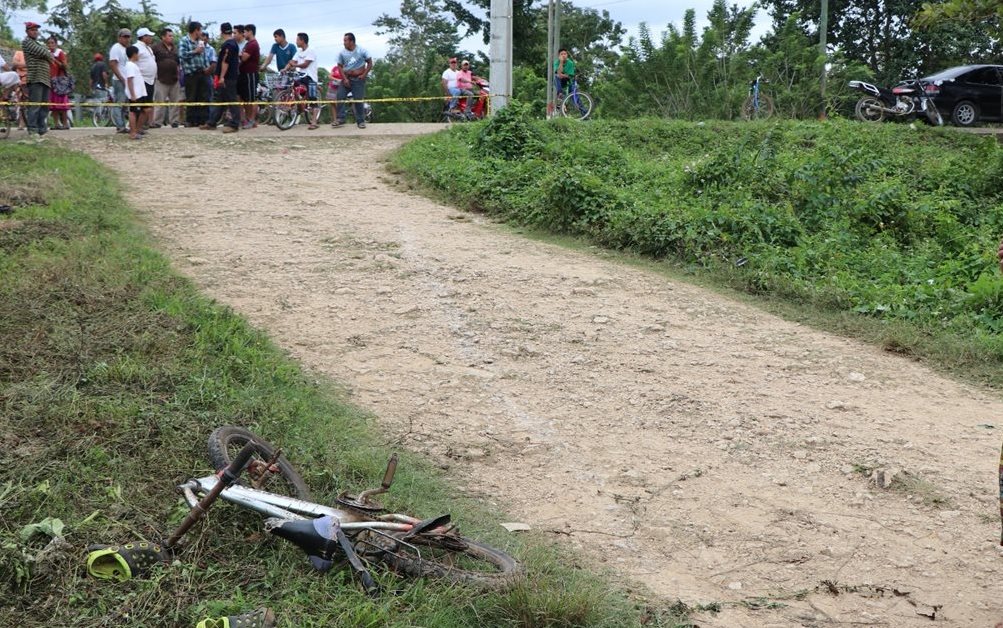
[
  {"x": 933, "y": 115},
  {"x": 869, "y": 110}
]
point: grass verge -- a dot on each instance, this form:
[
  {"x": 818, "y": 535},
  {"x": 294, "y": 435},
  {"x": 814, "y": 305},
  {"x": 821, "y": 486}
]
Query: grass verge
[{"x": 113, "y": 371}]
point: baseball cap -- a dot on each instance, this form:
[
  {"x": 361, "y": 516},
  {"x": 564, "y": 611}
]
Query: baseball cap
[
  {"x": 124, "y": 32},
  {"x": 226, "y": 28},
  {"x": 31, "y": 25},
  {"x": 143, "y": 32}
]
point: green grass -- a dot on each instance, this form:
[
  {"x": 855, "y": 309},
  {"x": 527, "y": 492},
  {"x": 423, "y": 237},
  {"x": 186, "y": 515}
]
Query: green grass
[
  {"x": 884, "y": 232},
  {"x": 113, "y": 371}
]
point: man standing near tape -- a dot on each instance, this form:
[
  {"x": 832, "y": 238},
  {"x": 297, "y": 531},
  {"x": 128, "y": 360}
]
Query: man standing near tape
[
  {"x": 247, "y": 88},
  {"x": 148, "y": 68},
  {"x": 116, "y": 63},
  {"x": 166, "y": 89},
  {"x": 191, "y": 52},
  {"x": 37, "y": 58},
  {"x": 355, "y": 64},
  {"x": 228, "y": 71}
]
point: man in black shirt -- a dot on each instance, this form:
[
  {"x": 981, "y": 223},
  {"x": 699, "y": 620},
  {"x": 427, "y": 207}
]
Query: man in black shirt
[
  {"x": 99, "y": 76},
  {"x": 227, "y": 69}
]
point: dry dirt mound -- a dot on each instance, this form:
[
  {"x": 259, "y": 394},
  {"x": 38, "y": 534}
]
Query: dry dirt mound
[{"x": 701, "y": 447}]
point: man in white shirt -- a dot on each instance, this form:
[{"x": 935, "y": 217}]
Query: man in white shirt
[
  {"x": 306, "y": 61},
  {"x": 147, "y": 63},
  {"x": 450, "y": 83},
  {"x": 116, "y": 64}
]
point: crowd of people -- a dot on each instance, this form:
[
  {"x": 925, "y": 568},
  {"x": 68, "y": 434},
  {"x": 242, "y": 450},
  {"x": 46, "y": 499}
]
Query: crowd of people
[{"x": 149, "y": 77}]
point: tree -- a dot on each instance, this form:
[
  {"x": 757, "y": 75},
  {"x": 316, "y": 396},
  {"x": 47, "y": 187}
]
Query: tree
[
  {"x": 882, "y": 34},
  {"x": 9, "y": 7},
  {"x": 421, "y": 30}
]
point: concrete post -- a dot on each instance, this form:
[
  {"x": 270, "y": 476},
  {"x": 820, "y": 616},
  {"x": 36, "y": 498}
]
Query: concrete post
[{"x": 500, "y": 52}]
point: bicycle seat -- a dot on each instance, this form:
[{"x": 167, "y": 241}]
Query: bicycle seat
[{"x": 316, "y": 537}]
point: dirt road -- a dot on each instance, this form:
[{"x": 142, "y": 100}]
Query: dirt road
[{"x": 710, "y": 451}]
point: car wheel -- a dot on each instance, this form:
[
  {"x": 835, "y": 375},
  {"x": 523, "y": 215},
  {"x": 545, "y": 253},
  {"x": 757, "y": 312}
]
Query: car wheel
[{"x": 965, "y": 113}]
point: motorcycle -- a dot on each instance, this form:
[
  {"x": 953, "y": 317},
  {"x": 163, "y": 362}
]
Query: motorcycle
[
  {"x": 908, "y": 98},
  {"x": 477, "y": 111}
]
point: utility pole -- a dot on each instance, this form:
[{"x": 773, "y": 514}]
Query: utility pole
[
  {"x": 500, "y": 52},
  {"x": 553, "y": 45},
  {"x": 823, "y": 26}
]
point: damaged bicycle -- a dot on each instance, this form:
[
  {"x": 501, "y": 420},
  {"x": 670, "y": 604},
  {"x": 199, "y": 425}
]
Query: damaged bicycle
[{"x": 357, "y": 530}]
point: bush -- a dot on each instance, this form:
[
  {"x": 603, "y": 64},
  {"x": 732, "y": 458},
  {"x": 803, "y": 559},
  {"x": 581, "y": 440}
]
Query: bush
[{"x": 840, "y": 214}]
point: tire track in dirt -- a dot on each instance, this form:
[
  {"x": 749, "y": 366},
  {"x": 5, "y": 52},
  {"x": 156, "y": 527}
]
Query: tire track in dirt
[{"x": 694, "y": 444}]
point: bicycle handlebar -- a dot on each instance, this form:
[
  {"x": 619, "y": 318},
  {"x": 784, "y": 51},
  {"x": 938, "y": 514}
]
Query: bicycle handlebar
[{"x": 227, "y": 477}]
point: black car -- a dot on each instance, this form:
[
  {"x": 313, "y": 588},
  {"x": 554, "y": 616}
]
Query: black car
[{"x": 968, "y": 93}]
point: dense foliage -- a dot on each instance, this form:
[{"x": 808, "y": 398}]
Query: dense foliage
[{"x": 893, "y": 221}]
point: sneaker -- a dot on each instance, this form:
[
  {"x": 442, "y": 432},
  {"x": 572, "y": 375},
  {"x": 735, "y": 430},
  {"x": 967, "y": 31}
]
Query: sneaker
[
  {"x": 362, "y": 124},
  {"x": 174, "y": 125},
  {"x": 155, "y": 126},
  {"x": 338, "y": 123},
  {"x": 122, "y": 562},
  {"x": 230, "y": 129},
  {"x": 263, "y": 617},
  {"x": 122, "y": 130},
  {"x": 204, "y": 127}
]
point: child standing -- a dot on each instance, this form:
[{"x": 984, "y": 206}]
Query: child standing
[{"x": 135, "y": 90}]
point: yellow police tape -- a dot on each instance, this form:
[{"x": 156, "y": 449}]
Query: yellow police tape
[{"x": 227, "y": 104}]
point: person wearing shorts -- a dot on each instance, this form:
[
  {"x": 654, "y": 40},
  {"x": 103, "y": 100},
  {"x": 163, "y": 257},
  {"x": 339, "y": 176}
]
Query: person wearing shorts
[
  {"x": 247, "y": 80},
  {"x": 135, "y": 91},
  {"x": 306, "y": 61}
]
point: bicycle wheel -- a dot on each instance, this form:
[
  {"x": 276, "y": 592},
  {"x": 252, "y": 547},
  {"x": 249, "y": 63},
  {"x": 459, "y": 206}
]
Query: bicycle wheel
[
  {"x": 286, "y": 111},
  {"x": 265, "y": 114},
  {"x": 750, "y": 110},
  {"x": 577, "y": 105},
  {"x": 450, "y": 557},
  {"x": 100, "y": 116},
  {"x": 281, "y": 478}
]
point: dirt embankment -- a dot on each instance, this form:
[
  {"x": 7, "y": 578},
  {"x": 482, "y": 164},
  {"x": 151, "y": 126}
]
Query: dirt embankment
[{"x": 703, "y": 448}]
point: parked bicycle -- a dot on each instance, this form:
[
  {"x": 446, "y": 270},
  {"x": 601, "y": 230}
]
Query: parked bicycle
[
  {"x": 758, "y": 106},
  {"x": 577, "y": 104},
  {"x": 291, "y": 101},
  {"x": 355, "y": 528}
]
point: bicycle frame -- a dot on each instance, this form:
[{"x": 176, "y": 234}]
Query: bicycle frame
[
  {"x": 754, "y": 92},
  {"x": 272, "y": 505}
]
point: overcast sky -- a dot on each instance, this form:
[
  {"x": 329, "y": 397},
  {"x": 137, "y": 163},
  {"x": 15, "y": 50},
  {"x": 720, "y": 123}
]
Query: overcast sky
[{"x": 326, "y": 24}]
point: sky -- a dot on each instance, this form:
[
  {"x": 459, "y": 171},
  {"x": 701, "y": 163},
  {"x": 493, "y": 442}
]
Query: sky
[{"x": 326, "y": 24}]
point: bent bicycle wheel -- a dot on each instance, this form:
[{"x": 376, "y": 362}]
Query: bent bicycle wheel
[
  {"x": 452, "y": 558},
  {"x": 280, "y": 478}
]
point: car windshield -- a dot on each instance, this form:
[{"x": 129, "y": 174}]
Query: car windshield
[{"x": 950, "y": 73}]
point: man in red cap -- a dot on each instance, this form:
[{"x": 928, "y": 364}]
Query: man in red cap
[
  {"x": 37, "y": 59},
  {"x": 99, "y": 77}
]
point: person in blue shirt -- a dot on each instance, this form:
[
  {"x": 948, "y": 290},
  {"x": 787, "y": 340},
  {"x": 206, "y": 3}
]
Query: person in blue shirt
[
  {"x": 355, "y": 63},
  {"x": 282, "y": 50}
]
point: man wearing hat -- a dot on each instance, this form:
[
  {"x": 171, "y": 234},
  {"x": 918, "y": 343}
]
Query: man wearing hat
[
  {"x": 228, "y": 69},
  {"x": 148, "y": 68},
  {"x": 37, "y": 59},
  {"x": 451, "y": 83},
  {"x": 116, "y": 63}
]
